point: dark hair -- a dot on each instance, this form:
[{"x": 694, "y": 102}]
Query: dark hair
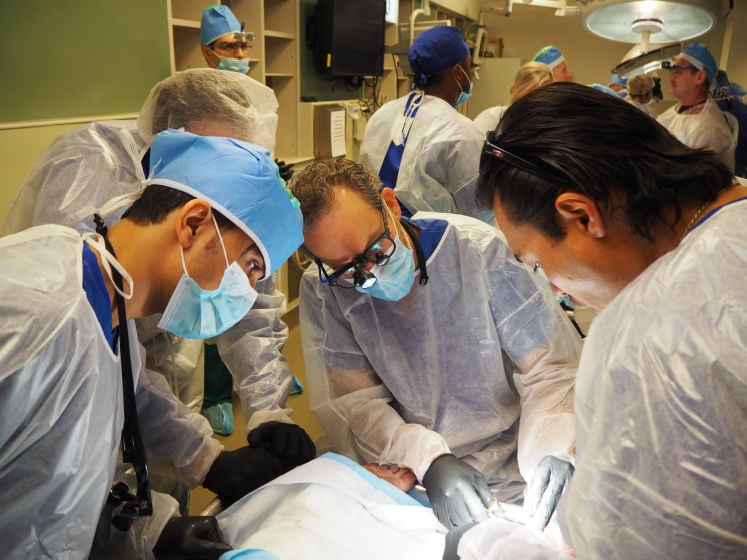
[
  {"x": 157, "y": 202},
  {"x": 598, "y": 146}
]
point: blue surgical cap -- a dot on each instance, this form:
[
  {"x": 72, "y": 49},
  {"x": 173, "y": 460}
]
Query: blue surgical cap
[
  {"x": 615, "y": 79},
  {"x": 217, "y": 21},
  {"x": 549, "y": 55},
  {"x": 605, "y": 89},
  {"x": 697, "y": 54},
  {"x": 434, "y": 50},
  {"x": 240, "y": 181}
]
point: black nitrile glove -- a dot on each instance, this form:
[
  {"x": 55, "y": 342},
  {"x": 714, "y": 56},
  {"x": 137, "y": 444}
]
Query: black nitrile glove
[
  {"x": 236, "y": 473},
  {"x": 545, "y": 489},
  {"x": 288, "y": 442},
  {"x": 285, "y": 170},
  {"x": 452, "y": 541},
  {"x": 193, "y": 538},
  {"x": 458, "y": 492}
]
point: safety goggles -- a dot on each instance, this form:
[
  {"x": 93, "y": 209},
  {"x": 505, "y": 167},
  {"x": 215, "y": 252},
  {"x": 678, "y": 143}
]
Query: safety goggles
[
  {"x": 354, "y": 274},
  {"x": 677, "y": 69},
  {"x": 233, "y": 46},
  {"x": 518, "y": 162}
]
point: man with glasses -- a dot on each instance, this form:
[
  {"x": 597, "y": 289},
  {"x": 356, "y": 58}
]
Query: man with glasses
[
  {"x": 429, "y": 346},
  {"x": 696, "y": 120},
  {"x": 224, "y": 43}
]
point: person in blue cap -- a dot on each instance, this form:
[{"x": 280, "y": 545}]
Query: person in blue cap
[
  {"x": 419, "y": 145},
  {"x": 619, "y": 85},
  {"x": 214, "y": 220},
  {"x": 223, "y": 41},
  {"x": 551, "y": 56},
  {"x": 696, "y": 120},
  {"x": 728, "y": 96}
]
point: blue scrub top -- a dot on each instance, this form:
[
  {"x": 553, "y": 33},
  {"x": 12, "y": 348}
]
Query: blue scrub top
[
  {"x": 431, "y": 232},
  {"x": 98, "y": 295}
]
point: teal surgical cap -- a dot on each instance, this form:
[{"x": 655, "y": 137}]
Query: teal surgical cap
[
  {"x": 697, "y": 54},
  {"x": 615, "y": 79},
  {"x": 726, "y": 88},
  {"x": 550, "y": 55},
  {"x": 217, "y": 21},
  {"x": 240, "y": 181},
  {"x": 434, "y": 50}
]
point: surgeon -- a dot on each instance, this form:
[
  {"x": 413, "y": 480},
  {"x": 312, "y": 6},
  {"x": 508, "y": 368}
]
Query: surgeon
[
  {"x": 213, "y": 221},
  {"x": 419, "y": 145},
  {"x": 729, "y": 98},
  {"x": 650, "y": 233},
  {"x": 696, "y": 120},
  {"x": 619, "y": 85},
  {"x": 223, "y": 41},
  {"x": 551, "y": 56},
  {"x": 85, "y": 168},
  {"x": 429, "y": 346}
]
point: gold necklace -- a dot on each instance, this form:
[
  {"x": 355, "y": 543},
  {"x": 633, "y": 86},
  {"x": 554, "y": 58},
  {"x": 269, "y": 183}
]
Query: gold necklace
[{"x": 694, "y": 218}]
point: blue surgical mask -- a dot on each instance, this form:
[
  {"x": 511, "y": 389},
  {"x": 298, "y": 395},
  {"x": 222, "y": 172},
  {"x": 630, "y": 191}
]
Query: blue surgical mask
[
  {"x": 393, "y": 279},
  {"x": 196, "y": 313},
  {"x": 464, "y": 95},
  {"x": 240, "y": 65}
]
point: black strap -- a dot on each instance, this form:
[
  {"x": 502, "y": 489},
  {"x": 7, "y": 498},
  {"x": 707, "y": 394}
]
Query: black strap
[
  {"x": 133, "y": 449},
  {"x": 418, "y": 251}
]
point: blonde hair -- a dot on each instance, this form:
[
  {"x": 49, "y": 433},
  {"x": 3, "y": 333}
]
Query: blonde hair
[{"x": 529, "y": 77}]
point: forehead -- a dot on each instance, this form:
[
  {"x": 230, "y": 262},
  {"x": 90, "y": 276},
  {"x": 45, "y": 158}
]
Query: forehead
[{"x": 227, "y": 38}]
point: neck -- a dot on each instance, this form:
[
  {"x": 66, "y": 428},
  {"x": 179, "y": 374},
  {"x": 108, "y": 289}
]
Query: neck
[
  {"x": 442, "y": 92},
  {"x": 694, "y": 99}
]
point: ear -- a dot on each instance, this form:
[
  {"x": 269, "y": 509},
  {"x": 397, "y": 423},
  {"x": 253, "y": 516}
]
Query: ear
[
  {"x": 193, "y": 220},
  {"x": 579, "y": 212},
  {"x": 390, "y": 199}
]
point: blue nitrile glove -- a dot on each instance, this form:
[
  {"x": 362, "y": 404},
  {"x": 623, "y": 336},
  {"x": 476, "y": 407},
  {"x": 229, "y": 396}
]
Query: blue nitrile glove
[
  {"x": 288, "y": 442},
  {"x": 544, "y": 491},
  {"x": 458, "y": 492},
  {"x": 195, "y": 538},
  {"x": 234, "y": 474}
]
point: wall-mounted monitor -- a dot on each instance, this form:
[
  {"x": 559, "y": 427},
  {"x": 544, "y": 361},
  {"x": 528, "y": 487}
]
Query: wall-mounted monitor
[{"x": 349, "y": 37}]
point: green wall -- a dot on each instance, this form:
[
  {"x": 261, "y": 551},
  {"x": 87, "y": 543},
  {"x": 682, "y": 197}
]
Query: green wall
[
  {"x": 78, "y": 58},
  {"x": 312, "y": 83}
]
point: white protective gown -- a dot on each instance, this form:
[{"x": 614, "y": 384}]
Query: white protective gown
[
  {"x": 710, "y": 129},
  {"x": 489, "y": 118},
  {"x": 80, "y": 172},
  {"x": 642, "y": 107},
  {"x": 460, "y": 365},
  {"x": 441, "y": 161},
  {"x": 62, "y": 412},
  {"x": 661, "y": 409}
]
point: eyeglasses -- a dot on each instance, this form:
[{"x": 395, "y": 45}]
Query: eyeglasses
[
  {"x": 677, "y": 69},
  {"x": 354, "y": 274},
  {"x": 517, "y": 162},
  {"x": 231, "y": 46}
]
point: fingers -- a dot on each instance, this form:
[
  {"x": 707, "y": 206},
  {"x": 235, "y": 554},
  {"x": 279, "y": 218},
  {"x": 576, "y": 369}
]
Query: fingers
[{"x": 536, "y": 490}]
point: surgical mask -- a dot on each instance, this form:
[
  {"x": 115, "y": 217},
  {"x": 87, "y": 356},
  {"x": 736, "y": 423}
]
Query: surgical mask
[
  {"x": 196, "y": 313},
  {"x": 240, "y": 65},
  {"x": 464, "y": 95},
  {"x": 393, "y": 279}
]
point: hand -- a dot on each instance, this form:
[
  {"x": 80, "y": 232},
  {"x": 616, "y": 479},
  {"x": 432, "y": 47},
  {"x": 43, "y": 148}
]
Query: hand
[
  {"x": 288, "y": 442},
  {"x": 236, "y": 473},
  {"x": 545, "y": 489},
  {"x": 190, "y": 537},
  {"x": 452, "y": 541},
  {"x": 285, "y": 170},
  {"x": 458, "y": 493}
]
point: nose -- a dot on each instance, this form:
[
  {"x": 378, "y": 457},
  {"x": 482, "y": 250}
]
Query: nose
[{"x": 240, "y": 51}]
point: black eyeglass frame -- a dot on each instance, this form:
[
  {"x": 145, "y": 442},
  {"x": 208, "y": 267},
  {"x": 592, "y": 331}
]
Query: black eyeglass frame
[
  {"x": 358, "y": 263},
  {"x": 519, "y": 163}
]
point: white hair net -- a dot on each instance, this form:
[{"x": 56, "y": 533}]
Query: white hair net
[{"x": 206, "y": 97}]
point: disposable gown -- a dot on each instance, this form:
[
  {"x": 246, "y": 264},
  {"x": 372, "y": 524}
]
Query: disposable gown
[
  {"x": 441, "y": 160},
  {"x": 75, "y": 177},
  {"x": 711, "y": 129},
  {"x": 642, "y": 107},
  {"x": 661, "y": 408},
  {"x": 61, "y": 403},
  {"x": 489, "y": 118},
  {"x": 477, "y": 362}
]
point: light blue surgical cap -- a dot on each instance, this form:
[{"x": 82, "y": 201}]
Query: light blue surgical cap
[
  {"x": 615, "y": 79},
  {"x": 550, "y": 55},
  {"x": 697, "y": 54},
  {"x": 604, "y": 89},
  {"x": 217, "y": 21},
  {"x": 240, "y": 181}
]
